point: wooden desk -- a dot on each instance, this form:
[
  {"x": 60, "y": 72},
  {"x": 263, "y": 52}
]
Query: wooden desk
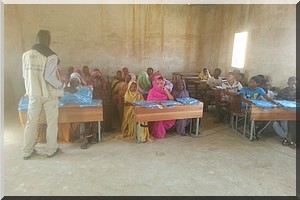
[
  {"x": 182, "y": 74},
  {"x": 200, "y": 87},
  {"x": 72, "y": 114},
  {"x": 167, "y": 113},
  {"x": 269, "y": 114},
  {"x": 235, "y": 101}
]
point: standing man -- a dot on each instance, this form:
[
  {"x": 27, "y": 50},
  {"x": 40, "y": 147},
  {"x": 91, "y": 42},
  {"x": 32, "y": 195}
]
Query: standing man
[{"x": 43, "y": 86}]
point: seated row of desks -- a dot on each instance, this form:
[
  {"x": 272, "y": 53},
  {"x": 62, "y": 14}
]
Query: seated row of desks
[
  {"x": 255, "y": 113},
  {"x": 76, "y": 114}
]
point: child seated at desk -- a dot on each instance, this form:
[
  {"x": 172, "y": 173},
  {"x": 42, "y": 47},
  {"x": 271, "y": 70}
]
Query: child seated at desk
[
  {"x": 240, "y": 77},
  {"x": 128, "y": 123},
  {"x": 215, "y": 80},
  {"x": 143, "y": 81},
  {"x": 100, "y": 91},
  {"x": 74, "y": 83},
  {"x": 212, "y": 83},
  {"x": 288, "y": 137},
  {"x": 179, "y": 91},
  {"x": 231, "y": 85},
  {"x": 86, "y": 75},
  {"x": 204, "y": 74},
  {"x": 122, "y": 90},
  {"x": 265, "y": 85},
  {"x": 253, "y": 91},
  {"x": 160, "y": 92}
]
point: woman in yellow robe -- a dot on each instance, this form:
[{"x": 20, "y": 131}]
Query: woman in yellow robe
[{"x": 128, "y": 123}]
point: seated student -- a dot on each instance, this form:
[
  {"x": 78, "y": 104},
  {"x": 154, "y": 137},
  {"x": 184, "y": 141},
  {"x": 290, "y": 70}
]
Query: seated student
[
  {"x": 265, "y": 85},
  {"x": 236, "y": 71},
  {"x": 159, "y": 92},
  {"x": 212, "y": 82},
  {"x": 99, "y": 92},
  {"x": 144, "y": 81},
  {"x": 115, "y": 85},
  {"x": 204, "y": 74},
  {"x": 240, "y": 77},
  {"x": 231, "y": 85},
  {"x": 167, "y": 84},
  {"x": 124, "y": 71},
  {"x": 288, "y": 93},
  {"x": 128, "y": 123},
  {"x": 154, "y": 75},
  {"x": 150, "y": 73},
  {"x": 96, "y": 72},
  {"x": 72, "y": 87},
  {"x": 215, "y": 80},
  {"x": 122, "y": 90},
  {"x": 252, "y": 91},
  {"x": 74, "y": 83},
  {"x": 77, "y": 73},
  {"x": 281, "y": 127},
  {"x": 179, "y": 91},
  {"x": 86, "y": 75}
]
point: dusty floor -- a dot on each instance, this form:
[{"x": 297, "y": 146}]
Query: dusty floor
[{"x": 218, "y": 162}]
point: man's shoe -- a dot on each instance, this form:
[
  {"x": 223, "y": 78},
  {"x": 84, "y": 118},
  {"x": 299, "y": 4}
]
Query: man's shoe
[
  {"x": 28, "y": 157},
  {"x": 58, "y": 150}
]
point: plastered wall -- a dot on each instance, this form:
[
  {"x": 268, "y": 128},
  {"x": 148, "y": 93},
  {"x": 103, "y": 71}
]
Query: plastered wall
[{"x": 168, "y": 38}]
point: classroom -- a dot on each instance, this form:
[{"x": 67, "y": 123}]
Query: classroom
[{"x": 120, "y": 148}]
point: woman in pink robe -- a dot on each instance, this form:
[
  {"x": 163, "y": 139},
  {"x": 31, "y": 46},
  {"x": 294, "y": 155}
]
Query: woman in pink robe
[{"x": 158, "y": 129}]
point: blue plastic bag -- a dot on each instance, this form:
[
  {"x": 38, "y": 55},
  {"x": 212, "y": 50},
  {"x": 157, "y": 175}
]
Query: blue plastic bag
[
  {"x": 263, "y": 104},
  {"x": 169, "y": 103},
  {"x": 147, "y": 104},
  {"x": 288, "y": 104},
  {"x": 95, "y": 102},
  {"x": 23, "y": 103},
  {"x": 83, "y": 96},
  {"x": 189, "y": 101}
]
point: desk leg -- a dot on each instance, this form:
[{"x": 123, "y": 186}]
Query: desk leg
[
  {"x": 138, "y": 132},
  {"x": 252, "y": 129},
  {"x": 245, "y": 123},
  {"x": 197, "y": 127},
  {"x": 191, "y": 125},
  {"x": 135, "y": 132},
  {"x": 99, "y": 131}
]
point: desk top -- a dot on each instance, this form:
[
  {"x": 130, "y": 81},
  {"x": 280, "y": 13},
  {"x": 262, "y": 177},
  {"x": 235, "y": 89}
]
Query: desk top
[{"x": 168, "y": 113}]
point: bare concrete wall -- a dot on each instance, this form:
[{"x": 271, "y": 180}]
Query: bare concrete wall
[
  {"x": 271, "y": 47},
  {"x": 166, "y": 37}
]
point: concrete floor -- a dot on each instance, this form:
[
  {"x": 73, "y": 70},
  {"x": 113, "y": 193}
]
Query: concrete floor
[{"x": 218, "y": 162}]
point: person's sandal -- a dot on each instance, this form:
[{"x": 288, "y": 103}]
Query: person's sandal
[
  {"x": 292, "y": 145},
  {"x": 84, "y": 144},
  {"x": 285, "y": 142}
]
